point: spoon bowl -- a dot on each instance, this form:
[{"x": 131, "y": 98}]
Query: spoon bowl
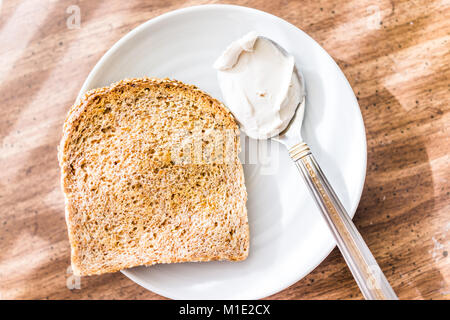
[{"x": 291, "y": 135}]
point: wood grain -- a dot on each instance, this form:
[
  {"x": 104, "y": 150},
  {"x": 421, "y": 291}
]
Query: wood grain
[{"x": 396, "y": 57}]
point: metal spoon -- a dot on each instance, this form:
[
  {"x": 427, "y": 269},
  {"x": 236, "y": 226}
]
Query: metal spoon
[{"x": 362, "y": 264}]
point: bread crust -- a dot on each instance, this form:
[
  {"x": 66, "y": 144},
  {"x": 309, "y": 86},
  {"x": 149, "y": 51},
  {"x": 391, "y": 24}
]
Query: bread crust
[{"x": 71, "y": 131}]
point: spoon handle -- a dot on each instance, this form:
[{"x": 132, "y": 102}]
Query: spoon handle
[{"x": 362, "y": 264}]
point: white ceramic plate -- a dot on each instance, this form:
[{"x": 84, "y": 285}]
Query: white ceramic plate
[{"x": 288, "y": 236}]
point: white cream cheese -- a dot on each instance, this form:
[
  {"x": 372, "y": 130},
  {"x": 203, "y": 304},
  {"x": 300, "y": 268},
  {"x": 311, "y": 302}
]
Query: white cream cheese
[{"x": 259, "y": 85}]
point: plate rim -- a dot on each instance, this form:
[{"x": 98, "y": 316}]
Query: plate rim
[{"x": 117, "y": 45}]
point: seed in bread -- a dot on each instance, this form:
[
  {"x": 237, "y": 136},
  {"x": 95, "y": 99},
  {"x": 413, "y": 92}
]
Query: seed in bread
[{"x": 133, "y": 197}]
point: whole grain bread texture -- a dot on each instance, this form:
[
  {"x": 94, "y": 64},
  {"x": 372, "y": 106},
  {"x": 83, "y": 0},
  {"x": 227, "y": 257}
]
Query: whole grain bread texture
[{"x": 136, "y": 192}]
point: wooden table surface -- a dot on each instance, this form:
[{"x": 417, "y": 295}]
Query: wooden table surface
[{"x": 396, "y": 57}]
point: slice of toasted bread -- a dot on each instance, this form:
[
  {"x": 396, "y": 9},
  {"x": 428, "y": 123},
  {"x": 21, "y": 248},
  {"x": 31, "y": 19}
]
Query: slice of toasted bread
[{"x": 134, "y": 193}]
